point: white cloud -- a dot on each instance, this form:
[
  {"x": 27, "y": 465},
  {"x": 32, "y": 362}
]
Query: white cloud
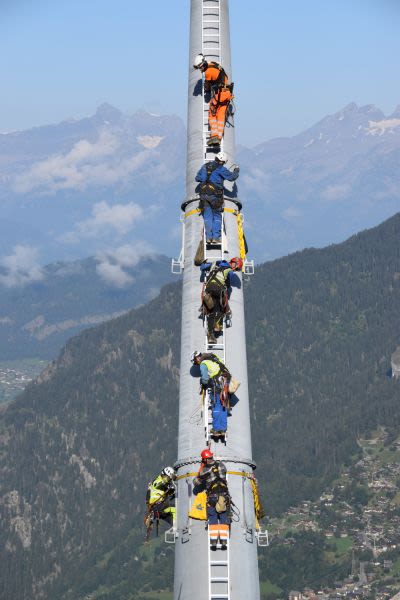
[
  {"x": 256, "y": 181},
  {"x": 120, "y": 217},
  {"x": 86, "y": 164},
  {"x": 21, "y": 267},
  {"x": 113, "y": 264},
  {"x": 335, "y": 192},
  {"x": 291, "y": 213}
]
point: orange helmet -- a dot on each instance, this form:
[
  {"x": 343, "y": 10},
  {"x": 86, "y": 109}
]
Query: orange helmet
[
  {"x": 207, "y": 454},
  {"x": 236, "y": 263}
]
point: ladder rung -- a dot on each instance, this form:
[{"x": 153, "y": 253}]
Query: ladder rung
[
  {"x": 219, "y": 579},
  {"x": 219, "y": 563}
]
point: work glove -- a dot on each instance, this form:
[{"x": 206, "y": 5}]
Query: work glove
[{"x": 236, "y": 169}]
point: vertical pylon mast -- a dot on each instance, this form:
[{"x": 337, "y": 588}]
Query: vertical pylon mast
[{"x": 199, "y": 574}]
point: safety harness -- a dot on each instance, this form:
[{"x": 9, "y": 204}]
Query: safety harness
[
  {"x": 216, "y": 277},
  {"x": 157, "y": 492},
  {"x": 222, "y": 76},
  {"x": 218, "y": 494},
  {"x": 208, "y": 189}
]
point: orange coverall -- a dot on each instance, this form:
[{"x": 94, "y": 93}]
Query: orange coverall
[{"x": 219, "y": 101}]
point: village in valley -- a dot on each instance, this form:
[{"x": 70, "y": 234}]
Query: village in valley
[
  {"x": 360, "y": 519},
  {"x": 15, "y": 376}
]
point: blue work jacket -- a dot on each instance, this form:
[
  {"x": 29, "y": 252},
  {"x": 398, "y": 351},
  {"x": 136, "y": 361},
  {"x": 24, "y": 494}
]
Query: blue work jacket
[{"x": 218, "y": 176}]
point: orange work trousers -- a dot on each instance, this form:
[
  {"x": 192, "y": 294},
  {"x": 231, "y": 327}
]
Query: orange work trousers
[{"x": 217, "y": 113}]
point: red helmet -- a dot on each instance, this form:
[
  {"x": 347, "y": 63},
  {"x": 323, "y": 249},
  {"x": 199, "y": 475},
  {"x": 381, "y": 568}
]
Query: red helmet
[
  {"x": 236, "y": 263},
  {"x": 207, "y": 454}
]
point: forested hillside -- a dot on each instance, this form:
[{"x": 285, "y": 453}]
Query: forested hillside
[
  {"x": 321, "y": 327},
  {"x": 78, "y": 447}
]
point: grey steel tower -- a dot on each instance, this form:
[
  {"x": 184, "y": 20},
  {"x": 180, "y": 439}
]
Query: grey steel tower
[{"x": 230, "y": 574}]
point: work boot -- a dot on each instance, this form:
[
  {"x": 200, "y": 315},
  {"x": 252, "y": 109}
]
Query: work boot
[
  {"x": 214, "y": 141},
  {"x": 212, "y": 339},
  {"x": 216, "y": 241}
]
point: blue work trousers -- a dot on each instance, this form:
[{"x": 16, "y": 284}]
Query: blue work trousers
[
  {"x": 215, "y": 517},
  {"x": 212, "y": 223},
  {"x": 219, "y": 412}
]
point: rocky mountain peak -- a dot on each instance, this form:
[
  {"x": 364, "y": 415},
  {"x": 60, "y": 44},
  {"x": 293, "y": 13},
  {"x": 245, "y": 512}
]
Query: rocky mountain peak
[{"x": 107, "y": 112}]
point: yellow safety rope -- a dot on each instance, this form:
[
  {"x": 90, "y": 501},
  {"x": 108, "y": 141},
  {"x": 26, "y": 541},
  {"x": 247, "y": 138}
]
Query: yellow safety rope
[
  {"x": 241, "y": 473},
  {"x": 196, "y": 211},
  {"x": 192, "y": 212},
  {"x": 257, "y": 502},
  {"x": 242, "y": 249},
  {"x": 258, "y": 509}
]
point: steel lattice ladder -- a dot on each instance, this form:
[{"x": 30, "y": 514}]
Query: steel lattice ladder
[
  {"x": 211, "y": 48},
  {"x": 218, "y": 574},
  {"x": 212, "y": 254},
  {"x": 219, "y": 587},
  {"x": 218, "y": 560}
]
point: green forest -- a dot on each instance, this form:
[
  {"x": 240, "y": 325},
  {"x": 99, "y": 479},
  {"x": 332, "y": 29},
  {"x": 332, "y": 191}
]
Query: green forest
[{"x": 78, "y": 447}]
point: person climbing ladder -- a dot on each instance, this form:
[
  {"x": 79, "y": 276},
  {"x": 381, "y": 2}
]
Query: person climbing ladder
[
  {"x": 211, "y": 177},
  {"x": 216, "y": 84},
  {"x": 212, "y": 478},
  {"x": 215, "y": 297}
]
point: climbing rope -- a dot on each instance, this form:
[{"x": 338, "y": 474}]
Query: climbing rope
[{"x": 242, "y": 247}]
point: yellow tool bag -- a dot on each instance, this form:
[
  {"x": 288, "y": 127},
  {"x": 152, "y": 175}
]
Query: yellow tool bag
[{"x": 199, "y": 507}]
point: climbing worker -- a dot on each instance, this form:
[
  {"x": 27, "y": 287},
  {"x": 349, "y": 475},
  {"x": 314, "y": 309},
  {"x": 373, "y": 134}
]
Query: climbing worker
[
  {"x": 215, "y": 294},
  {"x": 216, "y": 378},
  {"x": 160, "y": 499},
  {"x": 212, "y": 478},
  {"x": 216, "y": 83},
  {"x": 211, "y": 177}
]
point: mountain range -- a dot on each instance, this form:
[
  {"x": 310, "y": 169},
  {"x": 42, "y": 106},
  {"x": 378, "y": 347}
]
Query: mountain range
[
  {"x": 38, "y": 317},
  {"x": 83, "y": 187},
  {"x": 78, "y": 447}
]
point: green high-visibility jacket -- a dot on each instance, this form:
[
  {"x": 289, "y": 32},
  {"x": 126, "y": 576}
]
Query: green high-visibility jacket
[
  {"x": 159, "y": 489},
  {"x": 213, "y": 368}
]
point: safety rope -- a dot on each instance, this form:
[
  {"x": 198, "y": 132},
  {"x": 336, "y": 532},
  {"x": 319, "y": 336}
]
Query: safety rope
[
  {"x": 240, "y": 473},
  {"x": 196, "y": 211},
  {"x": 194, "y": 460},
  {"x": 242, "y": 248}
]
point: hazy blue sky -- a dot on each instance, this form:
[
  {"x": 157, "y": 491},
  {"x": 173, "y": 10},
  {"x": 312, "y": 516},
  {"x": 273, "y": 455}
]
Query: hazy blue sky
[{"x": 293, "y": 62}]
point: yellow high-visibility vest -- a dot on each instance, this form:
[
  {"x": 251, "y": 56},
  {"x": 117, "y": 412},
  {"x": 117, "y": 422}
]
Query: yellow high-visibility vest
[{"x": 212, "y": 367}]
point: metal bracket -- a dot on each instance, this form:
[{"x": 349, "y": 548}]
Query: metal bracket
[
  {"x": 185, "y": 537},
  {"x": 170, "y": 535},
  {"x": 248, "y": 534},
  {"x": 177, "y": 266},
  {"x": 262, "y": 537},
  {"x": 248, "y": 267}
]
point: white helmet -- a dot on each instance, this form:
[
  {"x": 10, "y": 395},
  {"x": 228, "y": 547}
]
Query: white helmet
[
  {"x": 221, "y": 157},
  {"x": 194, "y": 355},
  {"x": 199, "y": 61},
  {"x": 169, "y": 472}
]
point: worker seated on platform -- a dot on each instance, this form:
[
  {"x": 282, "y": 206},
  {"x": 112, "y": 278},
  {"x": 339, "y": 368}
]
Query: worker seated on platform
[
  {"x": 212, "y": 478},
  {"x": 211, "y": 176},
  {"x": 215, "y": 297},
  {"x": 160, "y": 499},
  {"x": 220, "y": 93},
  {"x": 216, "y": 378}
]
